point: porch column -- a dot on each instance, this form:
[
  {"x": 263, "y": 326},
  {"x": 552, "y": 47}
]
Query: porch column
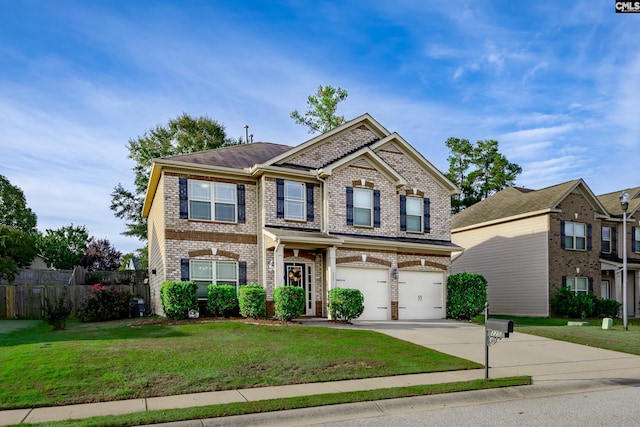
[
  {"x": 618, "y": 287},
  {"x": 331, "y": 273},
  {"x": 278, "y": 269}
]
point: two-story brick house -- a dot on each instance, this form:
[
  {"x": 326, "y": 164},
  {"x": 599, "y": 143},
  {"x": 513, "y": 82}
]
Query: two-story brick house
[
  {"x": 356, "y": 207},
  {"x": 527, "y": 243}
]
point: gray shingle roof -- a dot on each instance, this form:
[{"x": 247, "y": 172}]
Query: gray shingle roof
[
  {"x": 611, "y": 201},
  {"x": 236, "y": 156},
  {"x": 513, "y": 201}
]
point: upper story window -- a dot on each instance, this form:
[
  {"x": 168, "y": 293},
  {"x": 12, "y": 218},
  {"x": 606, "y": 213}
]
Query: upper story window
[
  {"x": 579, "y": 285},
  {"x": 212, "y": 201},
  {"x": 635, "y": 239},
  {"x": 205, "y": 273},
  {"x": 294, "y": 203},
  {"x": 606, "y": 240},
  {"x": 362, "y": 207},
  {"x": 575, "y": 235},
  {"x": 414, "y": 214}
]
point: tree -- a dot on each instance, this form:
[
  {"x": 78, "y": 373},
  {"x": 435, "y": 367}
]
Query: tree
[
  {"x": 64, "y": 247},
  {"x": 181, "y": 135},
  {"x": 13, "y": 208},
  {"x": 321, "y": 112},
  {"x": 141, "y": 255},
  {"x": 17, "y": 249},
  {"x": 101, "y": 256},
  {"x": 478, "y": 170}
]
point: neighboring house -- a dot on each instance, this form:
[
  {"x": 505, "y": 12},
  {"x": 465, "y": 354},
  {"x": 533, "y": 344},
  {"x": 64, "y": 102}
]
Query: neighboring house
[
  {"x": 356, "y": 207},
  {"x": 132, "y": 264},
  {"x": 39, "y": 263},
  {"x": 527, "y": 243}
]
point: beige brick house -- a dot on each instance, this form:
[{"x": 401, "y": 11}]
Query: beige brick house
[
  {"x": 356, "y": 207},
  {"x": 527, "y": 243}
]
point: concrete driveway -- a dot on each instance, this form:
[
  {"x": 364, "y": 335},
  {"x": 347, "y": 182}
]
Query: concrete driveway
[{"x": 520, "y": 354}]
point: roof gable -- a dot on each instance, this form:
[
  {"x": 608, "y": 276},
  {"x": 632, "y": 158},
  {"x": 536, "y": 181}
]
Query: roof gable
[
  {"x": 611, "y": 201},
  {"x": 364, "y": 154}
]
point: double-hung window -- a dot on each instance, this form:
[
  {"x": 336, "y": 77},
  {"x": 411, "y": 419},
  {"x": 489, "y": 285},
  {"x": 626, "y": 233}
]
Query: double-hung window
[
  {"x": 579, "y": 285},
  {"x": 294, "y": 202},
  {"x": 575, "y": 235},
  {"x": 362, "y": 207},
  {"x": 205, "y": 272},
  {"x": 414, "y": 214},
  {"x": 606, "y": 240},
  {"x": 635, "y": 239},
  {"x": 212, "y": 201}
]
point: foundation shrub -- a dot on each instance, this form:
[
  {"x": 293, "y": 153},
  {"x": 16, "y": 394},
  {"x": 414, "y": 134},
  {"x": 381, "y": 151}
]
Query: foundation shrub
[
  {"x": 288, "y": 302},
  {"x": 345, "y": 304},
  {"x": 252, "y": 300},
  {"x": 222, "y": 300},
  {"x": 466, "y": 295},
  {"x": 178, "y": 298}
]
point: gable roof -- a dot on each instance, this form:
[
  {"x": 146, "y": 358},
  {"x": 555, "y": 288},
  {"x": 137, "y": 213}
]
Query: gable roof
[
  {"x": 611, "y": 201},
  {"x": 235, "y": 156},
  {"x": 520, "y": 202}
]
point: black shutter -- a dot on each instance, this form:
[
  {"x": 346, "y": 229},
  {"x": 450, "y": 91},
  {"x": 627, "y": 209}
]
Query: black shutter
[
  {"x": 564, "y": 281},
  {"x": 403, "y": 212},
  {"x": 427, "y": 215},
  {"x": 376, "y": 208},
  {"x": 590, "y": 285},
  {"x": 184, "y": 269},
  {"x": 589, "y": 234},
  {"x": 562, "y": 245},
  {"x": 242, "y": 272},
  {"x": 280, "y": 198},
  {"x": 184, "y": 198},
  {"x": 349, "y": 205},
  {"x": 614, "y": 241},
  {"x": 309, "y": 186},
  {"x": 241, "y": 204}
]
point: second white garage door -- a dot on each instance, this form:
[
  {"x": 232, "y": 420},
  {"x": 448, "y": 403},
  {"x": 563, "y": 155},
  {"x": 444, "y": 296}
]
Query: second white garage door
[
  {"x": 420, "y": 295},
  {"x": 374, "y": 285}
]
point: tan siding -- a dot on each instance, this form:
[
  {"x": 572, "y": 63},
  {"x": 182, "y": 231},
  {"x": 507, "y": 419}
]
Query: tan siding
[
  {"x": 157, "y": 247},
  {"x": 513, "y": 259}
]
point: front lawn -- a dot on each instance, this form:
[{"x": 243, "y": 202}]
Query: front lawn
[
  {"x": 90, "y": 362},
  {"x": 617, "y": 339}
]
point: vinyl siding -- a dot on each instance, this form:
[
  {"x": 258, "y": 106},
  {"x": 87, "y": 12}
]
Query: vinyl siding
[
  {"x": 157, "y": 247},
  {"x": 513, "y": 258}
]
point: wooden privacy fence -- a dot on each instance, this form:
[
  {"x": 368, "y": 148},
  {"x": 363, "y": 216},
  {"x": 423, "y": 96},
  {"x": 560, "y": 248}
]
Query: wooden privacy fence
[{"x": 27, "y": 301}]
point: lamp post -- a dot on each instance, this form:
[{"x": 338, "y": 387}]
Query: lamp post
[{"x": 624, "y": 204}]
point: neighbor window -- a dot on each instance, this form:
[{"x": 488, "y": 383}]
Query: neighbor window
[
  {"x": 606, "y": 240},
  {"x": 414, "y": 214},
  {"x": 294, "y": 203},
  {"x": 205, "y": 273},
  {"x": 635, "y": 239},
  {"x": 579, "y": 285},
  {"x": 575, "y": 235},
  {"x": 203, "y": 194},
  {"x": 362, "y": 207}
]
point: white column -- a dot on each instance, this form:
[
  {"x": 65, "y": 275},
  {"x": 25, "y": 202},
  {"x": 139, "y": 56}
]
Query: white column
[
  {"x": 330, "y": 278},
  {"x": 279, "y": 265}
]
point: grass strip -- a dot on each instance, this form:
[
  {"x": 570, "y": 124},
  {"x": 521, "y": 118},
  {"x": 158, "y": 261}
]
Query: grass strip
[{"x": 262, "y": 406}]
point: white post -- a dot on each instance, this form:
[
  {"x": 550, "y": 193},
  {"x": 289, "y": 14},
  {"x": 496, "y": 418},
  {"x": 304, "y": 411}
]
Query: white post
[
  {"x": 331, "y": 273},
  {"x": 625, "y": 315},
  {"x": 279, "y": 265}
]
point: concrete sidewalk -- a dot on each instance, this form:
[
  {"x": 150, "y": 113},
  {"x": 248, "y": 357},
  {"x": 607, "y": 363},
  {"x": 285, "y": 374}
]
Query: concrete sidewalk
[{"x": 552, "y": 364}]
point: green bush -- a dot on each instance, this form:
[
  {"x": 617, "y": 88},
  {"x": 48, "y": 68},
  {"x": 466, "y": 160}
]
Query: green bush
[
  {"x": 222, "y": 300},
  {"x": 104, "y": 304},
  {"x": 178, "y": 298},
  {"x": 252, "y": 300},
  {"x": 288, "y": 302},
  {"x": 466, "y": 295},
  {"x": 345, "y": 304},
  {"x": 56, "y": 314},
  {"x": 583, "y": 306}
]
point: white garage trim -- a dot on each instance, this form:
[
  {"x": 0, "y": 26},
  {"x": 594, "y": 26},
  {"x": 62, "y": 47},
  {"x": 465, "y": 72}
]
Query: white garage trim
[
  {"x": 420, "y": 295},
  {"x": 374, "y": 285}
]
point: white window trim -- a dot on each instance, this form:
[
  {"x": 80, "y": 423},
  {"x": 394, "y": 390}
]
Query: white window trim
[
  {"x": 634, "y": 240},
  {"x": 212, "y": 201},
  {"x": 607, "y": 240},
  {"x": 420, "y": 216},
  {"x": 212, "y": 266},
  {"x": 370, "y": 207},
  {"x": 303, "y": 201},
  {"x": 574, "y": 285},
  {"x": 574, "y": 237}
]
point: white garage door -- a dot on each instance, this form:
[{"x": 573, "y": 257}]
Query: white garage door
[
  {"x": 374, "y": 285},
  {"x": 420, "y": 295}
]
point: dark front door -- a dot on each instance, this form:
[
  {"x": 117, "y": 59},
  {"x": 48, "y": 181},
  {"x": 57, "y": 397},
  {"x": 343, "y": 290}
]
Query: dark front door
[{"x": 299, "y": 274}]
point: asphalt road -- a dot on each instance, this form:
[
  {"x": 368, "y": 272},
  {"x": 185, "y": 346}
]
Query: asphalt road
[{"x": 619, "y": 406}]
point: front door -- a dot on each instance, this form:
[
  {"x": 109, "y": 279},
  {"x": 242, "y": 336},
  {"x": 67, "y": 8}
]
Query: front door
[{"x": 299, "y": 274}]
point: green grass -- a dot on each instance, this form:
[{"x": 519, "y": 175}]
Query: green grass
[
  {"x": 91, "y": 362},
  {"x": 214, "y": 411},
  {"x": 616, "y": 339}
]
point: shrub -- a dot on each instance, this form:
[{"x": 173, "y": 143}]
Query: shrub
[
  {"x": 222, "y": 300},
  {"x": 56, "y": 314},
  {"x": 288, "y": 302},
  {"x": 103, "y": 304},
  {"x": 466, "y": 295},
  {"x": 178, "y": 298},
  {"x": 567, "y": 303},
  {"x": 252, "y": 300},
  {"x": 345, "y": 304}
]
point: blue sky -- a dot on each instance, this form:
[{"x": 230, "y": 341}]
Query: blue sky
[{"x": 557, "y": 83}]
